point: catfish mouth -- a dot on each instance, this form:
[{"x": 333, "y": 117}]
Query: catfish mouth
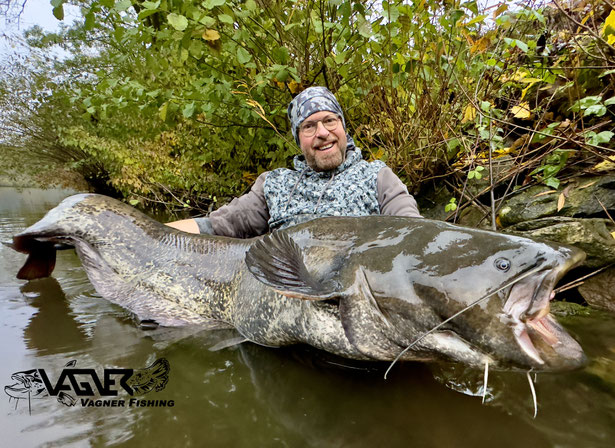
[{"x": 541, "y": 338}]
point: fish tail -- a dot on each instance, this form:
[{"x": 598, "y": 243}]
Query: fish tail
[{"x": 41, "y": 257}]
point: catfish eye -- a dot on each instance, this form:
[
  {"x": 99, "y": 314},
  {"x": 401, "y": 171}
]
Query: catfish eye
[{"x": 503, "y": 264}]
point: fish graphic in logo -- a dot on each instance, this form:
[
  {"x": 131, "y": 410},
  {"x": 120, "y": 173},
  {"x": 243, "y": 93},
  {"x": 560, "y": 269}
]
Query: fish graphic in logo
[{"x": 30, "y": 386}]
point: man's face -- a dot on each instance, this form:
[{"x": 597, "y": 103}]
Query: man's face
[{"x": 325, "y": 150}]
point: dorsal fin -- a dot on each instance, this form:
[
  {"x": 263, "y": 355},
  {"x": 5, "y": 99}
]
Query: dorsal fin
[{"x": 277, "y": 261}]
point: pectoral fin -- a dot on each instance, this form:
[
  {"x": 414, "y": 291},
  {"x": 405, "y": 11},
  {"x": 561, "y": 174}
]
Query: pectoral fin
[{"x": 277, "y": 261}]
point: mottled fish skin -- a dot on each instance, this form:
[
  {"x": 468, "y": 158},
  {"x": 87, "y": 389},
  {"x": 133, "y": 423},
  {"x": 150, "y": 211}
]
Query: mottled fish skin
[{"x": 362, "y": 288}]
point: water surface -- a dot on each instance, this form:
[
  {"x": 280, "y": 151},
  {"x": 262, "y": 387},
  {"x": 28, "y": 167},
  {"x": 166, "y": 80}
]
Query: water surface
[{"x": 248, "y": 396}]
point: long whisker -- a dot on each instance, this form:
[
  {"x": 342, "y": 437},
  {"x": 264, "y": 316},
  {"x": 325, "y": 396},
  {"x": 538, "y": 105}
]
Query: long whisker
[
  {"x": 537, "y": 267},
  {"x": 529, "y": 378},
  {"x": 485, "y": 381}
]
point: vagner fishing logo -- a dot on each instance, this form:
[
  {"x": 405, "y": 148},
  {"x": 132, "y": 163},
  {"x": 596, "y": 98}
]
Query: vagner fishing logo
[{"x": 79, "y": 386}]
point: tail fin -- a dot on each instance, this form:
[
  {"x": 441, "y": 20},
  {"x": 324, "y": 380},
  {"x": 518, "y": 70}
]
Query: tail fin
[{"x": 41, "y": 257}]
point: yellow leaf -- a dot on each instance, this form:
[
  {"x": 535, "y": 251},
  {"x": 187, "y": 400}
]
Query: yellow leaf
[
  {"x": 521, "y": 111},
  {"x": 467, "y": 36},
  {"x": 589, "y": 184},
  {"x": 609, "y": 23},
  {"x": 211, "y": 35},
  {"x": 611, "y": 39},
  {"x": 257, "y": 105},
  {"x": 561, "y": 200},
  {"x": 544, "y": 193},
  {"x": 613, "y": 235},
  {"x": 586, "y": 18},
  {"x": 469, "y": 114},
  {"x": 502, "y": 8},
  {"x": 377, "y": 155},
  {"x": 606, "y": 165},
  {"x": 480, "y": 45},
  {"x": 294, "y": 86}
]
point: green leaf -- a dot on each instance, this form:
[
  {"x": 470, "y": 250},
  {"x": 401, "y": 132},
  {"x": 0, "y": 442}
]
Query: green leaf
[
  {"x": 89, "y": 21},
  {"x": 58, "y": 12},
  {"x": 590, "y": 101},
  {"x": 552, "y": 182},
  {"x": 179, "y": 22},
  {"x": 188, "y": 110},
  {"x": 122, "y": 5},
  {"x": 476, "y": 20},
  {"x": 345, "y": 10},
  {"x": 598, "y": 109},
  {"x": 162, "y": 112},
  {"x": 210, "y": 4},
  {"x": 365, "y": 28},
  {"x": 151, "y": 5},
  {"x": 456, "y": 14},
  {"x": 610, "y": 101},
  {"x": 243, "y": 56},
  {"x": 146, "y": 13},
  {"x": 392, "y": 14},
  {"x": 280, "y": 55},
  {"x": 597, "y": 139},
  {"x": 56, "y": 3},
  {"x": 521, "y": 45},
  {"x": 207, "y": 21},
  {"x": 282, "y": 74},
  {"x": 225, "y": 18},
  {"x": 133, "y": 202}
]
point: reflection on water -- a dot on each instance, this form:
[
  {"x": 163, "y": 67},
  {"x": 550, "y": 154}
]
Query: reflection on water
[{"x": 253, "y": 396}]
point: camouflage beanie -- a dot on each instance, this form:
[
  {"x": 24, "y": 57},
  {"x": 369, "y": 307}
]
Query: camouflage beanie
[{"x": 310, "y": 101}]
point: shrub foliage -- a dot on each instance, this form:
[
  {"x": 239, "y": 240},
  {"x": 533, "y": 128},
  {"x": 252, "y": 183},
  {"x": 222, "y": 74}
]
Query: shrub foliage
[{"x": 183, "y": 103}]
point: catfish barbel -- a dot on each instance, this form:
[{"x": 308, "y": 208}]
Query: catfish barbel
[{"x": 359, "y": 287}]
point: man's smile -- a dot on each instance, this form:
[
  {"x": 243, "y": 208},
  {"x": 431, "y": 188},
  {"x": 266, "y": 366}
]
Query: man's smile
[{"x": 325, "y": 146}]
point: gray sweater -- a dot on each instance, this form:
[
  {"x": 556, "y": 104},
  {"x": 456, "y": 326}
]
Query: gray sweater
[{"x": 248, "y": 215}]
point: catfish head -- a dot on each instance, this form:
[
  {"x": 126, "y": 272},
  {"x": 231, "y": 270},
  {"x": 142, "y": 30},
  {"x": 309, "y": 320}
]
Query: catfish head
[
  {"x": 28, "y": 384},
  {"x": 448, "y": 292}
]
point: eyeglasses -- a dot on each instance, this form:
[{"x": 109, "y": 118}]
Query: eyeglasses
[{"x": 308, "y": 128}]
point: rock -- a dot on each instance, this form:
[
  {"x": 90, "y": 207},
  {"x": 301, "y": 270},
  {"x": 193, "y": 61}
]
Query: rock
[
  {"x": 599, "y": 291},
  {"x": 501, "y": 167},
  {"x": 593, "y": 235},
  {"x": 584, "y": 198},
  {"x": 473, "y": 216},
  {"x": 566, "y": 309}
]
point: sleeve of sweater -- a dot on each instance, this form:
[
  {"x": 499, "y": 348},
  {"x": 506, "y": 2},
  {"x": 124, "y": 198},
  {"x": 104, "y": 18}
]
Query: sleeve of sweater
[
  {"x": 393, "y": 196},
  {"x": 245, "y": 216}
]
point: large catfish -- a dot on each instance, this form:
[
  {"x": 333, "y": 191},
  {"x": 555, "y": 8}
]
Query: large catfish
[{"x": 362, "y": 288}]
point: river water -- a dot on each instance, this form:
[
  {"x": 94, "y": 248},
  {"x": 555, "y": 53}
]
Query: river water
[{"x": 249, "y": 396}]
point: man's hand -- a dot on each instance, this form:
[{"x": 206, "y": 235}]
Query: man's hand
[{"x": 185, "y": 225}]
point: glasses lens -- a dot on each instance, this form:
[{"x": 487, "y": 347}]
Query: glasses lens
[
  {"x": 309, "y": 129},
  {"x": 330, "y": 123}
]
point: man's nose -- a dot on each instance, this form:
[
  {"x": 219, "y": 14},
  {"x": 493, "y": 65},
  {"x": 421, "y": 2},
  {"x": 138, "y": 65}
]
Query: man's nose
[{"x": 321, "y": 130}]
